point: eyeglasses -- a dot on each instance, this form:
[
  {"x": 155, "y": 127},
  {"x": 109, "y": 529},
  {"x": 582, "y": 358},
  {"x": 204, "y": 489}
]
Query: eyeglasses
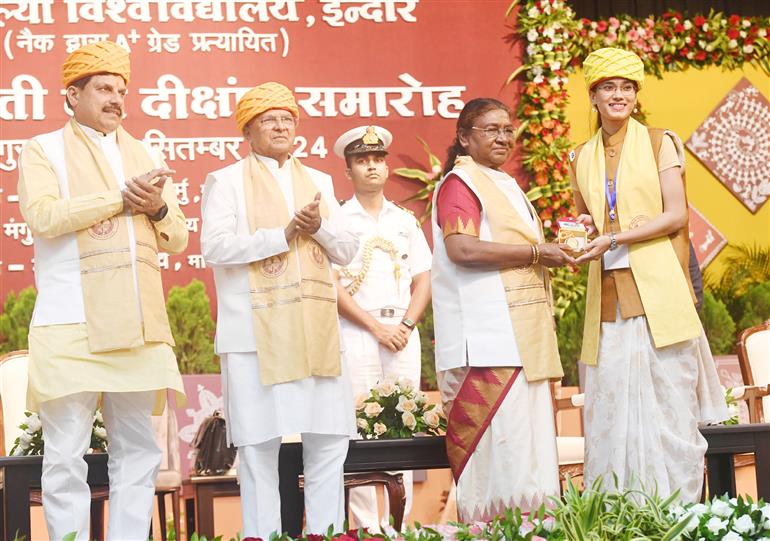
[
  {"x": 609, "y": 89},
  {"x": 493, "y": 133},
  {"x": 275, "y": 121}
]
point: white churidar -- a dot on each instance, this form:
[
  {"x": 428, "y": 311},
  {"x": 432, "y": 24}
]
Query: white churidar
[
  {"x": 642, "y": 409},
  {"x": 134, "y": 459},
  {"x": 323, "y": 457}
]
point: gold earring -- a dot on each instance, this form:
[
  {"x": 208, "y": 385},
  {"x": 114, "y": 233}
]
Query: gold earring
[{"x": 636, "y": 109}]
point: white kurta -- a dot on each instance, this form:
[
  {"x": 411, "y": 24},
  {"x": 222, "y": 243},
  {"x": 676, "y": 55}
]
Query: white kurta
[{"x": 256, "y": 413}]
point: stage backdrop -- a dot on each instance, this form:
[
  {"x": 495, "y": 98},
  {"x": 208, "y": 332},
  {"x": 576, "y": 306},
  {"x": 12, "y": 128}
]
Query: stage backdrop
[{"x": 408, "y": 65}]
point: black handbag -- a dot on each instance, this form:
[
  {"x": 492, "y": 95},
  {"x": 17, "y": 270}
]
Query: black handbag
[{"x": 213, "y": 455}]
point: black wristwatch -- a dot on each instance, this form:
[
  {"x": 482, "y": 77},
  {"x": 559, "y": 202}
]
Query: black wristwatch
[
  {"x": 408, "y": 323},
  {"x": 158, "y": 216}
]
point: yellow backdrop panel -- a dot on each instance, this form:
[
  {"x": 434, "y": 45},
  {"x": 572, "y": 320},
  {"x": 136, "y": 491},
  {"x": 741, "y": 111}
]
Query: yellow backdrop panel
[{"x": 680, "y": 102}]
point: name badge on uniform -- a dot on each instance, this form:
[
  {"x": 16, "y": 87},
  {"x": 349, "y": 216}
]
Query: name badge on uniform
[{"x": 616, "y": 259}]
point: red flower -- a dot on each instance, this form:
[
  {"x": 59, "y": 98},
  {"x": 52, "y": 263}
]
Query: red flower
[
  {"x": 733, "y": 33},
  {"x": 601, "y": 26},
  {"x": 734, "y": 20},
  {"x": 679, "y": 28},
  {"x": 700, "y": 20},
  {"x": 700, "y": 56}
]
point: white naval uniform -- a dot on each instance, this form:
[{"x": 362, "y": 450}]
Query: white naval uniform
[
  {"x": 368, "y": 361},
  {"x": 134, "y": 457},
  {"x": 319, "y": 408}
]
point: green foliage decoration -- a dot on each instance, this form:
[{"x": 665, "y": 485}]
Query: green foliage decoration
[
  {"x": 189, "y": 313},
  {"x": 754, "y": 306},
  {"x": 718, "y": 324},
  {"x": 15, "y": 319}
]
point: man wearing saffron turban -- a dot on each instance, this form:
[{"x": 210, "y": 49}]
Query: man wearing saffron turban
[
  {"x": 650, "y": 376},
  {"x": 271, "y": 229},
  {"x": 100, "y": 206}
]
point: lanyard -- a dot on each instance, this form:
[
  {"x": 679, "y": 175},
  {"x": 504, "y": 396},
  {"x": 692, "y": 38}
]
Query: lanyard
[{"x": 612, "y": 196}]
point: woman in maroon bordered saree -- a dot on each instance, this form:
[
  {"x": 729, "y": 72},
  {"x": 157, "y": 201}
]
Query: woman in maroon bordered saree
[{"x": 495, "y": 340}]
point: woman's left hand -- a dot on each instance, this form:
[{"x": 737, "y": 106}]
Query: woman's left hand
[{"x": 595, "y": 249}]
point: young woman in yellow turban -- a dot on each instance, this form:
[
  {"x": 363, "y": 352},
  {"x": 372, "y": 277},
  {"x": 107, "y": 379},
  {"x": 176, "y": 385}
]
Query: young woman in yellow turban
[{"x": 650, "y": 377}]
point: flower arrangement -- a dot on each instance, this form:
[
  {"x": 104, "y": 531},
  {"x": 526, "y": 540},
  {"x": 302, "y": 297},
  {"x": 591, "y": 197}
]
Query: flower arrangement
[
  {"x": 726, "y": 519},
  {"x": 394, "y": 408},
  {"x": 31, "y": 442}
]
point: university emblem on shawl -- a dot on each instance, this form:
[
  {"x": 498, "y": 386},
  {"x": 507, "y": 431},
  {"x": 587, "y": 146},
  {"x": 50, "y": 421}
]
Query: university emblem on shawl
[
  {"x": 104, "y": 229},
  {"x": 274, "y": 265}
]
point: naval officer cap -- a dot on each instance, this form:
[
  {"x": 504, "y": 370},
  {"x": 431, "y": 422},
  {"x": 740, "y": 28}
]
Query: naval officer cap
[{"x": 363, "y": 140}]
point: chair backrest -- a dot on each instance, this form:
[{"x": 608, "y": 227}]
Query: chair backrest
[
  {"x": 754, "y": 357},
  {"x": 13, "y": 397}
]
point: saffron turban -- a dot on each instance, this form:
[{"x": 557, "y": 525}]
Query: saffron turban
[
  {"x": 263, "y": 98},
  {"x": 612, "y": 62},
  {"x": 94, "y": 58}
]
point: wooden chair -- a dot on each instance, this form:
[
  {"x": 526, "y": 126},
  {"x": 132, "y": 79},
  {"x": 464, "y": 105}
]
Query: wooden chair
[{"x": 754, "y": 360}]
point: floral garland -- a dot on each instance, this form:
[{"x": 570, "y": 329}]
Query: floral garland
[{"x": 557, "y": 42}]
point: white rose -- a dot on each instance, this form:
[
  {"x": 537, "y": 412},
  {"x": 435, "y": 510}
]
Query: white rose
[
  {"x": 744, "y": 525},
  {"x": 766, "y": 511},
  {"x": 533, "y": 12},
  {"x": 746, "y": 23},
  {"x": 431, "y": 418},
  {"x": 705, "y": 27},
  {"x": 363, "y": 424},
  {"x": 743, "y": 34},
  {"x": 547, "y": 47},
  {"x": 380, "y": 429},
  {"x": 408, "y": 419},
  {"x": 406, "y": 384},
  {"x": 405, "y": 404},
  {"x": 25, "y": 439},
  {"x": 687, "y": 24},
  {"x": 655, "y": 48},
  {"x": 33, "y": 423},
  {"x": 690, "y": 55},
  {"x": 762, "y": 32},
  {"x": 709, "y": 47},
  {"x": 732, "y": 44},
  {"x": 372, "y": 409},
  {"x": 748, "y": 48},
  {"x": 732, "y": 536},
  {"x": 592, "y": 34},
  {"x": 100, "y": 432},
  {"x": 531, "y": 50},
  {"x": 721, "y": 508},
  {"x": 715, "y": 525},
  {"x": 421, "y": 397},
  {"x": 556, "y": 66},
  {"x": 532, "y": 35},
  {"x": 360, "y": 402},
  {"x": 386, "y": 388}
]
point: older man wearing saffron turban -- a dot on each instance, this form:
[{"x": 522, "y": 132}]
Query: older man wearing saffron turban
[
  {"x": 271, "y": 229},
  {"x": 100, "y": 206},
  {"x": 650, "y": 377}
]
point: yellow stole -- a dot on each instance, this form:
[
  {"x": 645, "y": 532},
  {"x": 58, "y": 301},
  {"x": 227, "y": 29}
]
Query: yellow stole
[
  {"x": 293, "y": 297},
  {"x": 113, "y": 318},
  {"x": 659, "y": 277},
  {"x": 527, "y": 289}
]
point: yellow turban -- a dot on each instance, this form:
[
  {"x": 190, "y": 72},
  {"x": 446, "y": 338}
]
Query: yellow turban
[
  {"x": 99, "y": 57},
  {"x": 263, "y": 98},
  {"x": 611, "y": 62}
]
